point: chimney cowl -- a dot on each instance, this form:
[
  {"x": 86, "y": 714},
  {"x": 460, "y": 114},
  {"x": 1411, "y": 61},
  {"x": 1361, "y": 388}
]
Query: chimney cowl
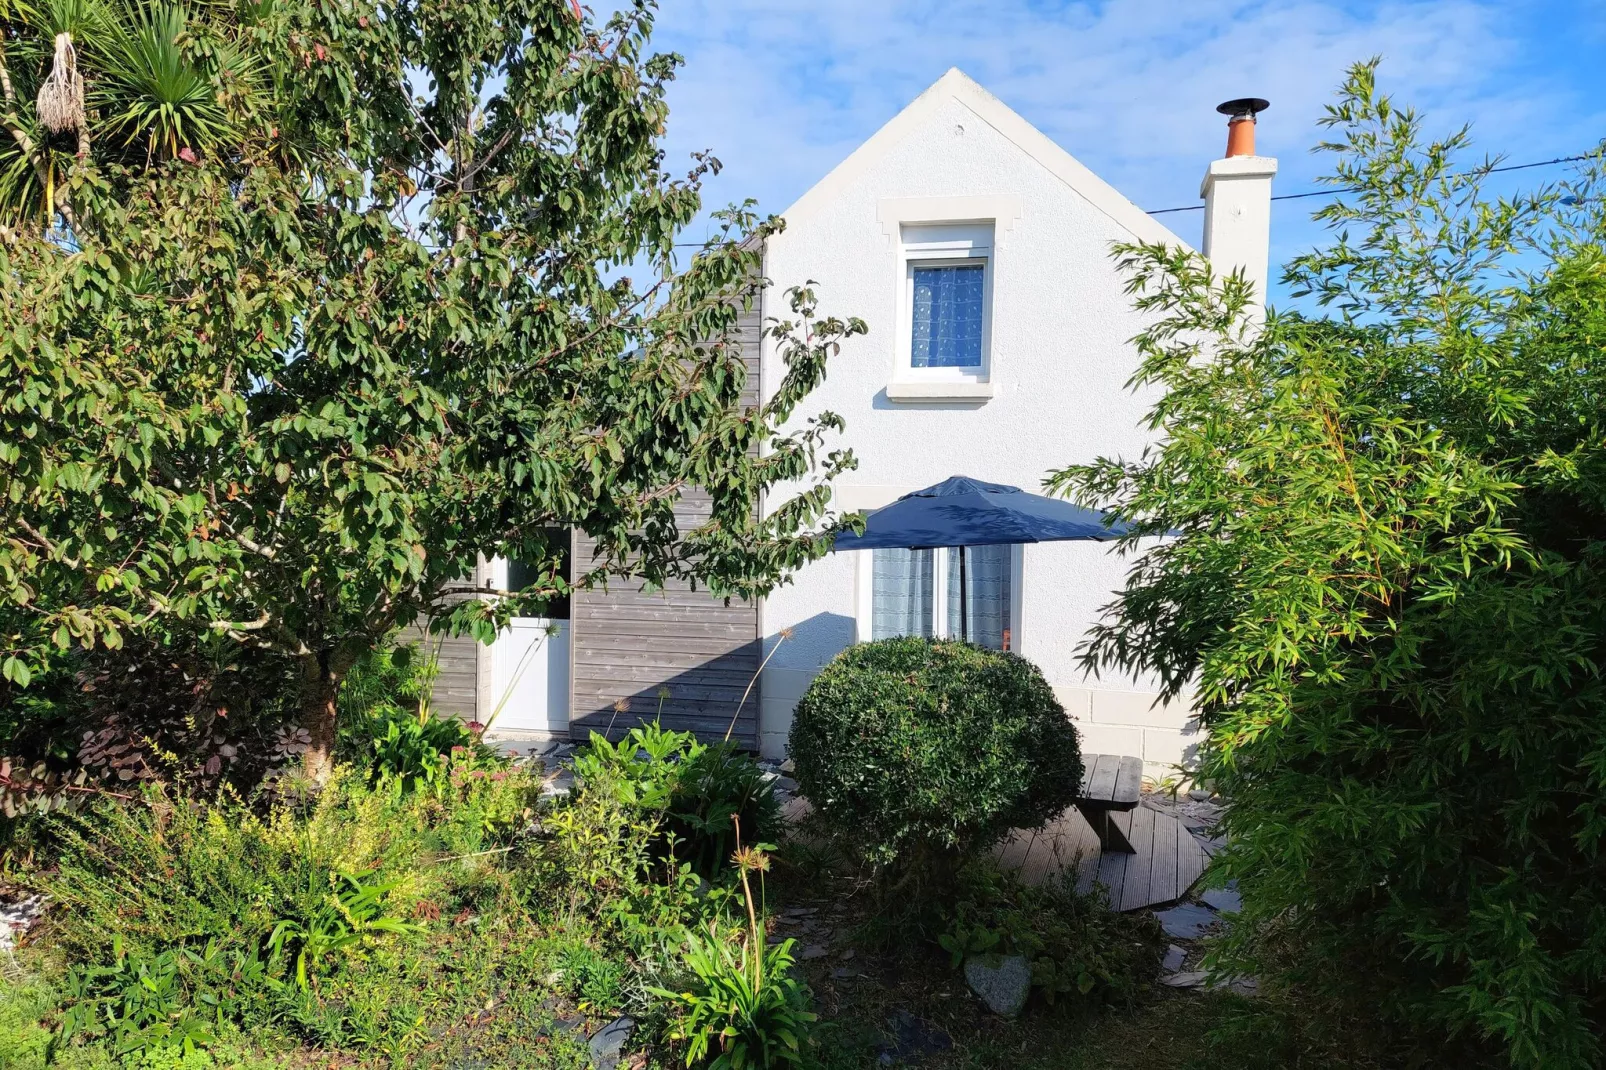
[{"x": 1241, "y": 123}]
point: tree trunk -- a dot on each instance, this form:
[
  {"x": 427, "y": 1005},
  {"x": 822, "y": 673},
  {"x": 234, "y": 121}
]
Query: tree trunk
[{"x": 320, "y": 686}]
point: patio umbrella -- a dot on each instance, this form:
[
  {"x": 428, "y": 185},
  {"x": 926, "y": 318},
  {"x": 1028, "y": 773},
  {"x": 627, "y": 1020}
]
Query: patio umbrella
[{"x": 962, "y": 512}]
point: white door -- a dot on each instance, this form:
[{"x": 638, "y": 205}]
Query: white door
[
  {"x": 529, "y": 670},
  {"x": 530, "y": 677}
]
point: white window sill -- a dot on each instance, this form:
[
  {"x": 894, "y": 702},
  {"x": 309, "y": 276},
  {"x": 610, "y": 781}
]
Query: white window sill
[{"x": 939, "y": 391}]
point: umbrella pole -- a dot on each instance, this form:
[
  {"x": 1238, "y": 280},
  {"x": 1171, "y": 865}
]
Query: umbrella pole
[{"x": 964, "y": 616}]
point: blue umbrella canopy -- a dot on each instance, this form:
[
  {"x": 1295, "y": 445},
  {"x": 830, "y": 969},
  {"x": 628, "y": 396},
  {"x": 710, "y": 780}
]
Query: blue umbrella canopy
[{"x": 961, "y": 511}]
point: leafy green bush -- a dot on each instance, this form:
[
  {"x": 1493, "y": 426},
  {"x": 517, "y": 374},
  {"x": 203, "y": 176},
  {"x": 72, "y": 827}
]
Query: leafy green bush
[
  {"x": 350, "y": 919},
  {"x": 924, "y": 751},
  {"x": 1079, "y": 948},
  {"x": 1388, "y": 591},
  {"x": 742, "y": 1008},
  {"x": 179, "y": 998},
  {"x": 700, "y": 790},
  {"x": 188, "y": 915}
]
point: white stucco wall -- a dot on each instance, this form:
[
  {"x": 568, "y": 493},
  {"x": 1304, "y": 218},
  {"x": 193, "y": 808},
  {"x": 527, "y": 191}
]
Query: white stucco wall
[{"x": 1060, "y": 361}]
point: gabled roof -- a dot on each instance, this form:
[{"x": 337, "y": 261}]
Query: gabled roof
[{"x": 957, "y": 85}]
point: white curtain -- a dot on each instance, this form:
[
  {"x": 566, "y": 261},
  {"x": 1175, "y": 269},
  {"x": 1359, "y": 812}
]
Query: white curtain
[
  {"x": 900, "y": 593},
  {"x": 946, "y": 317},
  {"x": 987, "y": 594}
]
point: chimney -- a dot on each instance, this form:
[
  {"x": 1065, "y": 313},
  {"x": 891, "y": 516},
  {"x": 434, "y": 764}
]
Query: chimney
[{"x": 1237, "y": 195}]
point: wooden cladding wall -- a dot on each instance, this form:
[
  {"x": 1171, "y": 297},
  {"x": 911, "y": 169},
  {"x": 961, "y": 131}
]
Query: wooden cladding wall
[{"x": 688, "y": 645}]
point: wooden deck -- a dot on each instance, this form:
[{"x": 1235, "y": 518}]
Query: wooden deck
[{"x": 1165, "y": 862}]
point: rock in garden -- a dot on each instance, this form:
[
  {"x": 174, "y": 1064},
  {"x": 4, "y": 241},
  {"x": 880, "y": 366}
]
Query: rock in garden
[
  {"x": 17, "y": 918},
  {"x": 814, "y": 951},
  {"x": 1003, "y": 987},
  {"x": 1174, "y": 957},
  {"x": 1191, "y": 979},
  {"x": 608, "y": 1042},
  {"x": 1187, "y": 921}
]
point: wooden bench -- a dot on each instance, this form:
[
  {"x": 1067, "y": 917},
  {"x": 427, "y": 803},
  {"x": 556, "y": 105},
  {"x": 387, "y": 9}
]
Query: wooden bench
[{"x": 1111, "y": 786}]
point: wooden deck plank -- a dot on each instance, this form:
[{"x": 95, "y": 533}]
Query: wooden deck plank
[
  {"x": 1191, "y": 860},
  {"x": 1163, "y": 877},
  {"x": 1140, "y": 864},
  {"x": 1168, "y": 860},
  {"x": 1112, "y": 874}
]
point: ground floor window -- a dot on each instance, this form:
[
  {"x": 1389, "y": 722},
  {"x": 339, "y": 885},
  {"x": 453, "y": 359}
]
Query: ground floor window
[{"x": 943, "y": 593}]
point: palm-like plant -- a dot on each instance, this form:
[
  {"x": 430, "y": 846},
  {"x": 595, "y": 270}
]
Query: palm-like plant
[
  {"x": 152, "y": 94},
  {"x": 161, "y": 77}
]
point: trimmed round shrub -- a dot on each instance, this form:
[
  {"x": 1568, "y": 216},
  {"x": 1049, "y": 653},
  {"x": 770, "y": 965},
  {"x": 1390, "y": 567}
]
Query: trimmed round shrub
[{"x": 918, "y": 750}]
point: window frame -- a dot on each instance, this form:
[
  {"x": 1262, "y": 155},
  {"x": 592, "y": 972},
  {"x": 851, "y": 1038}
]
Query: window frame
[{"x": 956, "y": 244}]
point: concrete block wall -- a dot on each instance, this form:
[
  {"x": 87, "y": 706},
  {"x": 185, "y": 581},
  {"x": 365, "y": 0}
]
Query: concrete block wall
[
  {"x": 1164, "y": 735},
  {"x": 782, "y": 688}
]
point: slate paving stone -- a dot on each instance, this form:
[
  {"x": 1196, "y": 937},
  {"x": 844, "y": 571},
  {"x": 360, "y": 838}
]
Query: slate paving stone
[
  {"x": 1224, "y": 899},
  {"x": 1174, "y": 958},
  {"x": 608, "y": 1042},
  {"x": 1190, "y": 979},
  {"x": 814, "y": 951},
  {"x": 1187, "y": 921},
  {"x": 910, "y": 1037}
]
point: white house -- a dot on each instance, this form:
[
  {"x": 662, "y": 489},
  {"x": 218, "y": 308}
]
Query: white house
[{"x": 980, "y": 254}]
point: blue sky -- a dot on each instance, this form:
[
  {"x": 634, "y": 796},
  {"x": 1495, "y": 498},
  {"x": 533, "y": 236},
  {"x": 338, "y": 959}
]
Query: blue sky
[{"x": 782, "y": 90}]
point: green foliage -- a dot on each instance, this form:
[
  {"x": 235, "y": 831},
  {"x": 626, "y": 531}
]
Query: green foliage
[
  {"x": 699, "y": 790},
  {"x": 922, "y": 750},
  {"x": 1389, "y": 592},
  {"x": 178, "y": 998},
  {"x": 416, "y": 749},
  {"x": 738, "y": 1013},
  {"x": 281, "y": 366},
  {"x": 1079, "y": 948},
  {"x": 595, "y": 977},
  {"x": 349, "y": 920}
]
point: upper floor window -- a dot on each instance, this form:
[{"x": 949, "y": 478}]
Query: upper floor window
[
  {"x": 946, "y": 319},
  {"x": 946, "y": 307}
]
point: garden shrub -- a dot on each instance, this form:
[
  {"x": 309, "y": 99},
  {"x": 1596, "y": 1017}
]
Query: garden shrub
[
  {"x": 700, "y": 791},
  {"x": 1081, "y": 950},
  {"x": 924, "y": 751},
  {"x": 183, "y": 916},
  {"x": 1386, "y": 588},
  {"x": 739, "y": 1007}
]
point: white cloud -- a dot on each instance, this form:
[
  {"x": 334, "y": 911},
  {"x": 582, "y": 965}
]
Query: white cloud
[{"x": 782, "y": 90}]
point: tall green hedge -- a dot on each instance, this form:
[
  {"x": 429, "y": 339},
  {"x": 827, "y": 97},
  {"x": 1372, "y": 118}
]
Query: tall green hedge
[
  {"x": 920, "y": 749},
  {"x": 1387, "y": 586}
]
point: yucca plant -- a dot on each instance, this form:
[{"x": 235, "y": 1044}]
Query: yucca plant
[
  {"x": 155, "y": 78},
  {"x": 152, "y": 93}
]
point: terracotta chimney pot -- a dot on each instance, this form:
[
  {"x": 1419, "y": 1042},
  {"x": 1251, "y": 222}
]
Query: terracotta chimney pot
[{"x": 1241, "y": 124}]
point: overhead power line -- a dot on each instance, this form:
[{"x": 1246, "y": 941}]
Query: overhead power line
[
  {"x": 1356, "y": 189},
  {"x": 1324, "y": 192}
]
